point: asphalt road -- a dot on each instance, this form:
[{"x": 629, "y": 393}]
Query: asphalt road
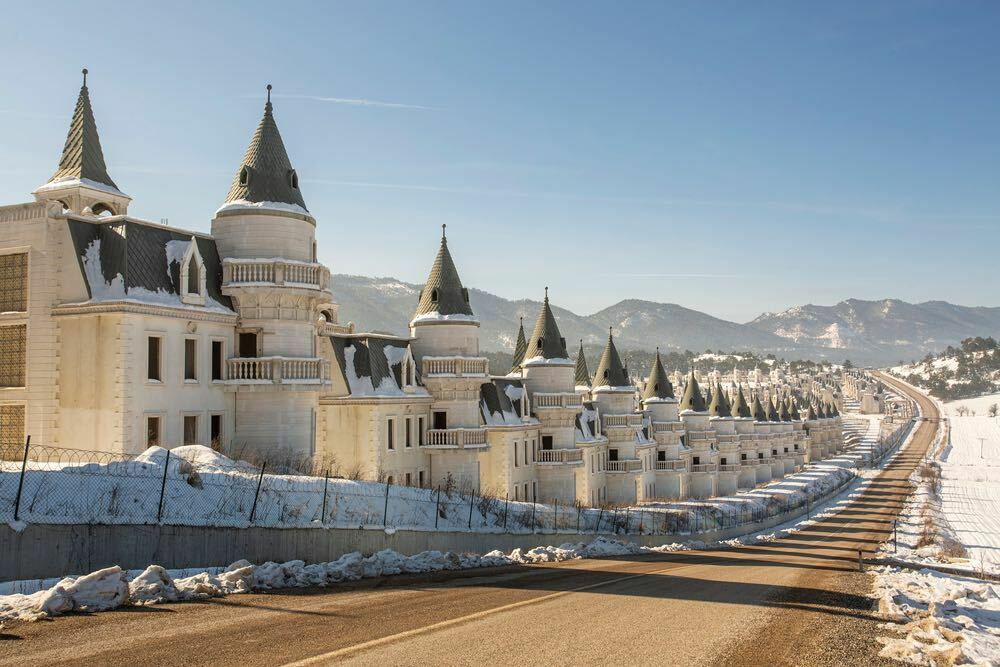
[{"x": 800, "y": 600}]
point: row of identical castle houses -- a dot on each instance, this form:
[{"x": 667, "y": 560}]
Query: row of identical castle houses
[{"x": 118, "y": 334}]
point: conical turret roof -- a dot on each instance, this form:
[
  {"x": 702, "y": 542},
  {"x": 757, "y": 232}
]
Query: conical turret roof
[
  {"x": 811, "y": 413},
  {"x": 757, "y": 410},
  {"x": 610, "y": 370},
  {"x": 266, "y": 174},
  {"x": 658, "y": 385},
  {"x": 692, "y": 399},
  {"x": 740, "y": 407},
  {"x": 793, "y": 409},
  {"x": 443, "y": 295},
  {"x": 519, "y": 347},
  {"x": 772, "y": 411},
  {"x": 783, "y": 413},
  {"x": 708, "y": 394},
  {"x": 546, "y": 341},
  {"x": 82, "y": 158},
  {"x": 720, "y": 404},
  {"x": 582, "y": 378}
]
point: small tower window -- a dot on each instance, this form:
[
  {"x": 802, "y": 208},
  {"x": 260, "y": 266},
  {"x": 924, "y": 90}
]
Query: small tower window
[
  {"x": 101, "y": 209},
  {"x": 293, "y": 179},
  {"x": 541, "y": 342},
  {"x": 434, "y": 295},
  {"x": 244, "y": 176},
  {"x": 194, "y": 278},
  {"x": 465, "y": 294}
]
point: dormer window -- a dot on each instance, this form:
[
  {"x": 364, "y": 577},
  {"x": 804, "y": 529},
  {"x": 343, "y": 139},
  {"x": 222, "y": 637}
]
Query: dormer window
[
  {"x": 244, "y": 176},
  {"x": 192, "y": 276},
  {"x": 465, "y": 294},
  {"x": 434, "y": 295},
  {"x": 541, "y": 343},
  {"x": 293, "y": 179}
]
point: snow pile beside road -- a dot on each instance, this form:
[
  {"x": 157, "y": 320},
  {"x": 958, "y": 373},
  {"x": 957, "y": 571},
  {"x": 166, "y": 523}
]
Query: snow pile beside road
[{"x": 944, "y": 619}]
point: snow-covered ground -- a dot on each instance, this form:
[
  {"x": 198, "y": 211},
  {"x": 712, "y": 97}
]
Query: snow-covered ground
[
  {"x": 951, "y": 520},
  {"x": 979, "y": 405}
]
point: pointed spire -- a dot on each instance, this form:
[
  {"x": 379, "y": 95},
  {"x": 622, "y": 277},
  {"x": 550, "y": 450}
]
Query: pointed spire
[
  {"x": 783, "y": 413},
  {"x": 708, "y": 394},
  {"x": 793, "y": 409},
  {"x": 657, "y": 384},
  {"x": 772, "y": 411},
  {"x": 546, "y": 341},
  {"x": 811, "y": 413},
  {"x": 266, "y": 175},
  {"x": 519, "y": 347},
  {"x": 692, "y": 399},
  {"x": 610, "y": 370},
  {"x": 82, "y": 158},
  {"x": 740, "y": 407},
  {"x": 720, "y": 404},
  {"x": 757, "y": 409},
  {"x": 582, "y": 378},
  {"x": 443, "y": 295}
]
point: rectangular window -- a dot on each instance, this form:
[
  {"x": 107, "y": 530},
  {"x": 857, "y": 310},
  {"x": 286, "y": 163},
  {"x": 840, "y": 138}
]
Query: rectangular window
[
  {"x": 440, "y": 419},
  {"x": 390, "y": 433},
  {"x": 534, "y": 491},
  {"x": 215, "y": 427},
  {"x": 11, "y": 431},
  {"x": 723, "y": 461},
  {"x": 661, "y": 455},
  {"x": 408, "y": 479},
  {"x": 13, "y": 348},
  {"x": 408, "y": 441},
  {"x": 153, "y": 359},
  {"x": 420, "y": 432},
  {"x": 248, "y": 344},
  {"x": 526, "y": 452},
  {"x": 743, "y": 457},
  {"x": 217, "y": 352},
  {"x": 696, "y": 460},
  {"x": 517, "y": 454},
  {"x": 152, "y": 431},
  {"x": 612, "y": 454},
  {"x": 14, "y": 283},
  {"x": 191, "y": 359},
  {"x": 546, "y": 442},
  {"x": 420, "y": 478},
  {"x": 190, "y": 430}
]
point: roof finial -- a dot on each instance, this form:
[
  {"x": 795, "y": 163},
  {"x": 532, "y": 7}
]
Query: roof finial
[
  {"x": 443, "y": 227},
  {"x": 609, "y": 332},
  {"x": 85, "y": 72},
  {"x": 268, "y": 93},
  {"x": 546, "y": 293}
]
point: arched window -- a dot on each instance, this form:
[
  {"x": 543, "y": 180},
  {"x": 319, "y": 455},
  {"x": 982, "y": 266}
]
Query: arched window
[
  {"x": 605, "y": 373},
  {"x": 193, "y": 277},
  {"x": 244, "y": 176},
  {"x": 101, "y": 209},
  {"x": 434, "y": 295},
  {"x": 541, "y": 343},
  {"x": 293, "y": 179}
]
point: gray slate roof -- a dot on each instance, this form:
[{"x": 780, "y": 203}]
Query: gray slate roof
[
  {"x": 138, "y": 252},
  {"x": 740, "y": 407},
  {"x": 266, "y": 174},
  {"x": 720, "y": 404},
  {"x": 496, "y": 405},
  {"x": 772, "y": 412},
  {"x": 610, "y": 370},
  {"x": 443, "y": 292},
  {"x": 692, "y": 399},
  {"x": 757, "y": 410},
  {"x": 370, "y": 358},
  {"x": 519, "y": 347},
  {"x": 657, "y": 384},
  {"x": 546, "y": 341},
  {"x": 82, "y": 156},
  {"x": 582, "y": 377}
]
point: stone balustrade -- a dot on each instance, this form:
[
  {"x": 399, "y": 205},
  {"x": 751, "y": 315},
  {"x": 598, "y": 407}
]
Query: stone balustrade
[
  {"x": 560, "y": 455},
  {"x": 626, "y": 465},
  {"x": 671, "y": 465},
  {"x": 704, "y": 467},
  {"x": 729, "y": 467},
  {"x": 557, "y": 400},
  {"x": 622, "y": 420},
  {"x": 668, "y": 427},
  {"x": 275, "y": 370},
  {"x": 455, "y": 438},
  {"x": 456, "y": 366},
  {"x": 237, "y": 272}
]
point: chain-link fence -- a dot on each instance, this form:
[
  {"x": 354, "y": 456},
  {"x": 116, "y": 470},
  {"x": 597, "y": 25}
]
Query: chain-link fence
[{"x": 196, "y": 486}]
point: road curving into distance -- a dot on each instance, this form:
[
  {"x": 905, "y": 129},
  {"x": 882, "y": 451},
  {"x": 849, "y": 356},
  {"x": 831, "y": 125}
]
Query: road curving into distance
[{"x": 799, "y": 600}]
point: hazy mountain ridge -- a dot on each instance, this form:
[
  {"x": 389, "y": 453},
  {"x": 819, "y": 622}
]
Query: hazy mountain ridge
[{"x": 868, "y": 332}]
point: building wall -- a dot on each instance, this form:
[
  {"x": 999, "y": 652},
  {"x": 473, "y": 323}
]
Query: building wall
[{"x": 249, "y": 235}]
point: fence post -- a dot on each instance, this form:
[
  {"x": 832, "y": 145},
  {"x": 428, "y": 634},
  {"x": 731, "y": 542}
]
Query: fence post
[
  {"x": 163, "y": 487},
  {"x": 20, "y": 483},
  {"x": 555, "y": 520},
  {"x": 385, "y": 510},
  {"x": 437, "y": 507},
  {"x": 893, "y": 536},
  {"x": 640, "y": 522},
  {"x": 532, "y": 515},
  {"x": 326, "y": 483},
  {"x": 600, "y": 516},
  {"x": 472, "y": 498},
  {"x": 579, "y": 510},
  {"x": 626, "y": 521},
  {"x": 260, "y": 480},
  {"x": 614, "y": 521},
  {"x": 506, "y": 510}
]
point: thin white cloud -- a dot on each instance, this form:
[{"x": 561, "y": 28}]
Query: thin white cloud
[
  {"x": 672, "y": 275},
  {"x": 354, "y": 102}
]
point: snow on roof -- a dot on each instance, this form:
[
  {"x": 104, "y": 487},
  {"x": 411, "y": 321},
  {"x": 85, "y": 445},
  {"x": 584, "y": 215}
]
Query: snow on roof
[
  {"x": 373, "y": 366},
  {"x": 500, "y": 403},
  {"x": 256, "y": 207}
]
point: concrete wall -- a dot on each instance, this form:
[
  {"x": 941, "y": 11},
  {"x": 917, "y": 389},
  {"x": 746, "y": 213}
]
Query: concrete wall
[{"x": 42, "y": 551}]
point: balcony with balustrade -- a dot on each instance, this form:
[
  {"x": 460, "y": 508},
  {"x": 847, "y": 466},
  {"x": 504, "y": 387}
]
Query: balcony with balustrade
[
  {"x": 455, "y": 367},
  {"x": 704, "y": 468},
  {"x": 286, "y": 373},
  {"x": 675, "y": 465},
  {"x": 557, "y": 400},
  {"x": 624, "y": 465},
  {"x": 668, "y": 427},
  {"x": 565, "y": 456},
  {"x": 622, "y": 421},
  {"x": 455, "y": 438},
  {"x": 244, "y": 273}
]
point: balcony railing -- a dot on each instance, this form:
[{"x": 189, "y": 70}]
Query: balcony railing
[
  {"x": 455, "y": 366},
  {"x": 560, "y": 455},
  {"x": 455, "y": 438},
  {"x": 699, "y": 435},
  {"x": 274, "y": 272},
  {"x": 704, "y": 467},
  {"x": 557, "y": 400},
  {"x": 626, "y": 465},
  {"x": 668, "y": 427},
  {"x": 729, "y": 467},
  {"x": 274, "y": 370},
  {"x": 671, "y": 465},
  {"x": 622, "y": 420}
]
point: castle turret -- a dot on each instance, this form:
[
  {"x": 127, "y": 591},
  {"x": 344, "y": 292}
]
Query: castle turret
[
  {"x": 612, "y": 389},
  {"x": 582, "y": 373},
  {"x": 81, "y": 182},
  {"x": 520, "y": 347},
  {"x": 547, "y": 366},
  {"x": 658, "y": 394},
  {"x": 443, "y": 324}
]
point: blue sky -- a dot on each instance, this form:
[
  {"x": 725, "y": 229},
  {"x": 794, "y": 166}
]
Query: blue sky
[{"x": 729, "y": 158}]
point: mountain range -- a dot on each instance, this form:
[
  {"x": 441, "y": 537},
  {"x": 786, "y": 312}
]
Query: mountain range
[{"x": 867, "y": 332}]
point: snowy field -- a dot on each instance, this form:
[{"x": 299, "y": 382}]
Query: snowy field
[{"x": 979, "y": 405}]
